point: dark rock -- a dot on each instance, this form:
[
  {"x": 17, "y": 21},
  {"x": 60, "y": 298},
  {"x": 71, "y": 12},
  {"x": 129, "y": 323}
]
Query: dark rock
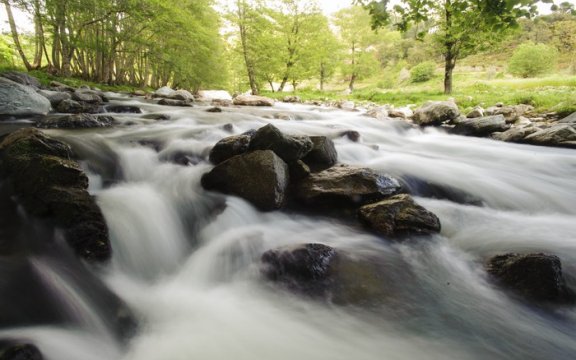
[
  {"x": 562, "y": 135},
  {"x": 399, "y": 215},
  {"x": 299, "y": 170},
  {"x": 425, "y": 188},
  {"x": 292, "y": 99},
  {"x": 323, "y": 154},
  {"x": 21, "y": 351},
  {"x": 260, "y": 177},
  {"x": 86, "y": 96},
  {"x": 20, "y": 100},
  {"x": 515, "y": 134},
  {"x": 228, "y": 128},
  {"x": 435, "y": 113},
  {"x": 483, "y": 126},
  {"x": 345, "y": 185},
  {"x": 289, "y": 148},
  {"x": 352, "y": 135},
  {"x": 534, "y": 277},
  {"x": 229, "y": 147},
  {"x": 122, "y": 109},
  {"x": 214, "y": 110},
  {"x": 75, "y": 121},
  {"x": 172, "y": 102},
  {"x": 182, "y": 158},
  {"x": 252, "y": 100},
  {"x": 159, "y": 117},
  {"x": 75, "y": 107},
  {"x": 55, "y": 97},
  {"x": 22, "y": 79},
  {"x": 58, "y": 86}
]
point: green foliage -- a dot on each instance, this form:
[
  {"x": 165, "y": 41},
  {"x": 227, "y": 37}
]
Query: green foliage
[
  {"x": 6, "y": 53},
  {"x": 422, "y": 72},
  {"x": 531, "y": 60}
]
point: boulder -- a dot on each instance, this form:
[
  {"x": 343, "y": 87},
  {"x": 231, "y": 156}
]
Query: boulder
[
  {"x": 18, "y": 100},
  {"x": 182, "y": 95},
  {"x": 352, "y": 135},
  {"x": 345, "y": 185},
  {"x": 229, "y": 147},
  {"x": 214, "y": 109},
  {"x": 293, "y": 99},
  {"x": 122, "y": 109},
  {"x": 58, "y": 86},
  {"x": 55, "y": 97},
  {"x": 399, "y": 215},
  {"x": 534, "y": 277},
  {"x": 260, "y": 177},
  {"x": 562, "y": 135},
  {"x": 253, "y": 100},
  {"x": 379, "y": 113},
  {"x": 403, "y": 113},
  {"x": 50, "y": 185},
  {"x": 75, "y": 107},
  {"x": 20, "y": 351},
  {"x": 172, "y": 102},
  {"x": 482, "y": 126},
  {"x": 87, "y": 96},
  {"x": 163, "y": 92},
  {"x": 216, "y": 95},
  {"x": 289, "y": 148},
  {"x": 511, "y": 113},
  {"x": 22, "y": 79},
  {"x": 139, "y": 92},
  {"x": 298, "y": 170},
  {"x": 515, "y": 134},
  {"x": 570, "y": 119},
  {"x": 436, "y": 113},
  {"x": 477, "y": 112},
  {"x": 323, "y": 154},
  {"x": 75, "y": 121}
]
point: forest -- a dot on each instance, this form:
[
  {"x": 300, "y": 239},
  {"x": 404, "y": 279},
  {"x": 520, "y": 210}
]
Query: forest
[{"x": 277, "y": 45}]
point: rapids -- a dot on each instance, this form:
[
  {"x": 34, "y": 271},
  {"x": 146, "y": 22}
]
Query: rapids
[{"x": 186, "y": 261}]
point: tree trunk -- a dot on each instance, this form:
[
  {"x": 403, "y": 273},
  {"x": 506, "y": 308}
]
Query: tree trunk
[
  {"x": 352, "y": 81},
  {"x": 322, "y": 76},
  {"x": 283, "y": 83},
  {"x": 244, "y": 40},
  {"x": 449, "y": 66},
  {"x": 450, "y": 53},
  {"x": 15, "y": 36}
]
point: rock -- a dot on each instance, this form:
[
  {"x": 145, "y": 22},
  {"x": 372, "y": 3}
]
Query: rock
[
  {"x": 299, "y": 170},
  {"x": 511, "y": 113},
  {"x": 221, "y": 102},
  {"x": 75, "y": 121},
  {"x": 75, "y": 107},
  {"x": 399, "y": 215},
  {"x": 379, "y": 113},
  {"x": 292, "y": 99},
  {"x": 435, "y": 113},
  {"x": 216, "y": 96},
  {"x": 163, "y": 92},
  {"x": 522, "y": 121},
  {"x": 20, "y": 352},
  {"x": 50, "y": 185},
  {"x": 253, "y": 100},
  {"x": 289, "y": 148},
  {"x": 122, "y": 109},
  {"x": 87, "y": 96},
  {"x": 171, "y": 102},
  {"x": 347, "y": 105},
  {"x": 229, "y": 147},
  {"x": 403, "y": 113},
  {"x": 352, "y": 135},
  {"x": 22, "y": 79},
  {"x": 481, "y": 126},
  {"x": 139, "y": 92},
  {"x": 345, "y": 185},
  {"x": 562, "y": 135},
  {"x": 570, "y": 119},
  {"x": 534, "y": 277},
  {"x": 58, "y": 86},
  {"x": 19, "y": 100},
  {"x": 159, "y": 117},
  {"x": 214, "y": 110},
  {"x": 477, "y": 112},
  {"x": 182, "y": 95},
  {"x": 55, "y": 97},
  {"x": 183, "y": 158},
  {"x": 260, "y": 177},
  {"x": 325, "y": 273},
  {"x": 323, "y": 154},
  {"x": 515, "y": 134}
]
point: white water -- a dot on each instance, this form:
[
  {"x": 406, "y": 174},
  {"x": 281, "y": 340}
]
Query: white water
[{"x": 192, "y": 276}]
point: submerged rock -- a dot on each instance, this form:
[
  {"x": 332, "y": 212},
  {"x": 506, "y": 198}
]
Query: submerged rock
[
  {"x": 252, "y": 100},
  {"x": 75, "y": 107},
  {"x": 346, "y": 186},
  {"x": 20, "y": 351},
  {"x": 482, "y": 126},
  {"x": 534, "y": 277},
  {"x": 20, "y": 100},
  {"x": 323, "y": 154},
  {"x": 436, "y": 112},
  {"x": 172, "y": 102},
  {"x": 399, "y": 215},
  {"x": 289, "y": 148},
  {"x": 228, "y": 147},
  {"x": 260, "y": 177},
  {"x": 122, "y": 109},
  {"x": 75, "y": 121}
]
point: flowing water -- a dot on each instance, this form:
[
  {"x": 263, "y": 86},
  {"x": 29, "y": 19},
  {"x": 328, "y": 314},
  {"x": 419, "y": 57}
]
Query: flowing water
[{"x": 187, "y": 261}]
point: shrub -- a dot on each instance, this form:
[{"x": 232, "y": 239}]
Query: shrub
[
  {"x": 532, "y": 60},
  {"x": 422, "y": 72}
]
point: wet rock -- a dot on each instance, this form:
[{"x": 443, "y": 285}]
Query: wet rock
[
  {"x": 75, "y": 107},
  {"x": 50, "y": 185},
  {"x": 163, "y": 92},
  {"x": 480, "y": 127},
  {"x": 345, "y": 185},
  {"x": 122, "y": 109},
  {"x": 75, "y": 121},
  {"x": 477, "y": 112},
  {"x": 379, "y": 113},
  {"x": 562, "y": 135},
  {"x": 214, "y": 110},
  {"x": 352, "y": 135},
  {"x": 171, "y": 102},
  {"x": 55, "y": 97},
  {"x": 183, "y": 158},
  {"x": 399, "y": 215},
  {"x": 323, "y": 154},
  {"x": 159, "y": 117},
  {"x": 436, "y": 113},
  {"x": 515, "y": 134},
  {"x": 534, "y": 277},
  {"x": 252, "y": 100},
  {"x": 299, "y": 170},
  {"x": 22, "y": 351},
  {"x": 425, "y": 188},
  {"x": 289, "y": 148},
  {"x": 403, "y": 113},
  {"x": 182, "y": 95},
  {"x": 260, "y": 177},
  {"x": 20, "y": 100},
  {"x": 229, "y": 147},
  {"x": 292, "y": 99},
  {"x": 22, "y": 79},
  {"x": 87, "y": 96}
]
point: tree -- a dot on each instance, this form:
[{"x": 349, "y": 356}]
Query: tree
[
  {"x": 460, "y": 27},
  {"x": 15, "y": 35}
]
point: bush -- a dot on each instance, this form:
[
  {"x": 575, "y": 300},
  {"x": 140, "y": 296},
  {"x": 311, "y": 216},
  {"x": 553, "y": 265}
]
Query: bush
[
  {"x": 532, "y": 60},
  {"x": 422, "y": 72}
]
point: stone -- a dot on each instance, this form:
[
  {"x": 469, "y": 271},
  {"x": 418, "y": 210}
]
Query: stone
[
  {"x": 323, "y": 154},
  {"x": 260, "y": 177},
  {"x": 122, "y": 109},
  {"x": 216, "y": 95},
  {"x": 482, "y": 126},
  {"x": 397, "y": 216},
  {"x": 75, "y": 121},
  {"x": 55, "y": 97},
  {"x": 379, "y": 113},
  {"x": 58, "y": 86},
  {"x": 172, "y": 102},
  {"x": 214, "y": 110},
  {"x": 156, "y": 116},
  {"x": 403, "y": 113},
  {"x": 515, "y": 134},
  {"x": 562, "y": 135},
  {"x": 344, "y": 185},
  {"x": 75, "y": 107},
  {"x": 22, "y": 79},
  {"x": 536, "y": 278},
  {"x": 289, "y": 148},
  {"x": 163, "y": 92},
  {"x": 182, "y": 95},
  {"x": 229, "y": 147},
  {"x": 87, "y": 96},
  {"x": 436, "y": 113},
  {"x": 477, "y": 112},
  {"x": 18, "y": 100},
  {"x": 511, "y": 113},
  {"x": 139, "y": 92},
  {"x": 221, "y": 102},
  {"x": 347, "y": 105},
  {"x": 570, "y": 119},
  {"x": 299, "y": 170},
  {"x": 21, "y": 351},
  {"x": 352, "y": 135},
  {"x": 252, "y": 100},
  {"x": 292, "y": 99}
]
